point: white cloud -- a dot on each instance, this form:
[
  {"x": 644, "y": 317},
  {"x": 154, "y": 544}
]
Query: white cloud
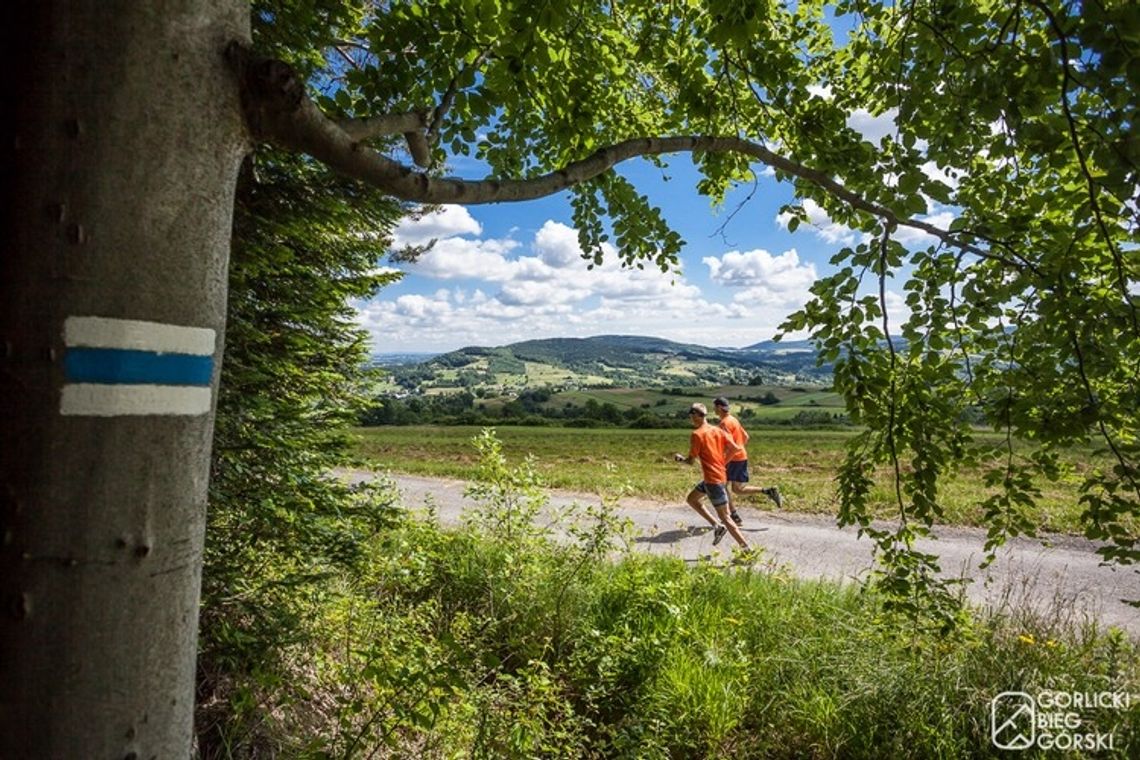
[
  {"x": 912, "y": 238},
  {"x": 417, "y": 306},
  {"x": 873, "y": 128},
  {"x": 557, "y": 245},
  {"x": 820, "y": 91},
  {"x": 459, "y": 258},
  {"x": 897, "y": 311},
  {"x": 830, "y": 231},
  {"x": 833, "y": 232},
  {"x": 448, "y": 221},
  {"x": 508, "y": 291},
  {"x": 736, "y": 268},
  {"x": 530, "y": 292},
  {"x": 932, "y": 170},
  {"x": 766, "y": 288}
]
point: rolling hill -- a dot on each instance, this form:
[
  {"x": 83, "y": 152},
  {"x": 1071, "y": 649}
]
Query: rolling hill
[{"x": 613, "y": 361}]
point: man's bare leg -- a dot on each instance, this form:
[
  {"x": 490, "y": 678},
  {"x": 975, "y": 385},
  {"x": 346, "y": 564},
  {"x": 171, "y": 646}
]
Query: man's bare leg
[
  {"x": 726, "y": 520},
  {"x": 736, "y": 487},
  {"x": 694, "y": 500}
]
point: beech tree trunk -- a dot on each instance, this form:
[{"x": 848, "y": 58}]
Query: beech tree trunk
[{"x": 123, "y": 135}]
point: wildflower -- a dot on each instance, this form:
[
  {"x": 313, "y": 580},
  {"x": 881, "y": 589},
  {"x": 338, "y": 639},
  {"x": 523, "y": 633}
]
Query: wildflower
[{"x": 1026, "y": 638}]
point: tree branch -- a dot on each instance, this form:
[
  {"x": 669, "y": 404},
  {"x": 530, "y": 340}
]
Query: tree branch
[
  {"x": 1090, "y": 181},
  {"x": 347, "y": 58},
  {"x": 277, "y": 110},
  {"x": 385, "y": 124},
  {"x": 449, "y": 96},
  {"x": 892, "y": 393}
]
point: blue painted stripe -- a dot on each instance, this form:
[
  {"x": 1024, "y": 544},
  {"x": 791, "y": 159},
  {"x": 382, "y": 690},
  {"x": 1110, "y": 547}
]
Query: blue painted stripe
[{"x": 125, "y": 367}]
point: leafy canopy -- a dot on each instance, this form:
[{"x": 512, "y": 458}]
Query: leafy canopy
[{"x": 1015, "y": 120}]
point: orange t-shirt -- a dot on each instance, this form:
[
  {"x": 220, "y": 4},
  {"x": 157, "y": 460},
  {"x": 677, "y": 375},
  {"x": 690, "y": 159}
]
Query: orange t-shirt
[
  {"x": 732, "y": 426},
  {"x": 707, "y": 443}
]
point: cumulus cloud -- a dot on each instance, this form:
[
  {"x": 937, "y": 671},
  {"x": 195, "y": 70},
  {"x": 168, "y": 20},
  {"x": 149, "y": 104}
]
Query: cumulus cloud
[
  {"x": 932, "y": 170},
  {"x": 751, "y": 267},
  {"x": 557, "y": 245},
  {"x": 897, "y": 310},
  {"x": 417, "y": 306},
  {"x": 456, "y": 258},
  {"x": 913, "y": 238},
  {"x": 551, "y": 293},
  {"x": 873, "y": 128},
  {"x": 448, "y": 221},
  {"x": 830, "y": 231},
  {"x": 507, "y": 290},
  {"x": 820, "y": 91},
  {"x": 766, "y": 288}
]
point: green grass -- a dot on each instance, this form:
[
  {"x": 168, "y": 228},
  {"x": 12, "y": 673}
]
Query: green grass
[
  {"x": 791, "y": 402},
  {"x": 538, "y": 373},
  {"x": 472, "y": 645},
  {"x": 499, "y": 641},
  {"x": 803, "y": 463}
]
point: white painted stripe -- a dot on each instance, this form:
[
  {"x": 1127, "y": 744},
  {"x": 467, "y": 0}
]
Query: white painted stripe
[
  {"x": 92, "y": 400},
  {"x": 102, "y": 332}
]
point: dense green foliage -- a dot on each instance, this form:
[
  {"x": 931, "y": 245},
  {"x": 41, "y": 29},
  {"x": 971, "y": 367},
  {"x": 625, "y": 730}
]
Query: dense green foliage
[
  {"x": 279, "y": 522},
  {"x": 1018, "y": 119},
  {"x": 498, "y": 641},
  {"x": 305, "y": 243}
]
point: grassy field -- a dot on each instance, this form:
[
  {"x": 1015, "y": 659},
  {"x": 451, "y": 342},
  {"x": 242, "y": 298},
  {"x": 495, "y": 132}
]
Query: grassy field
[
  {"x": 790, "y": 401},
  {"x": 497, "y": 642},
  {"x": 803, "y": 463}
]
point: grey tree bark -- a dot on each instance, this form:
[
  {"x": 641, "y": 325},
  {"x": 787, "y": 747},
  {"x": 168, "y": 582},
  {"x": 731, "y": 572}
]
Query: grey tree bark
[{"x": 122, "y": 139}]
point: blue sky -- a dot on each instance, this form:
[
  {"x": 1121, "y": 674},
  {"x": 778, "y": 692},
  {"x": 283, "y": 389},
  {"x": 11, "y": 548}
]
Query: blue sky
[{"x": 509, "y": 272}]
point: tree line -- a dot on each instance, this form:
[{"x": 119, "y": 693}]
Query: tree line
[{"x": 532, "y": 407}]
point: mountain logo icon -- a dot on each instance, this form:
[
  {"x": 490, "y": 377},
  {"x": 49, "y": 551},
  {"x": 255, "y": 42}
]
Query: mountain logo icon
[{"x": 1013, "y": 720}]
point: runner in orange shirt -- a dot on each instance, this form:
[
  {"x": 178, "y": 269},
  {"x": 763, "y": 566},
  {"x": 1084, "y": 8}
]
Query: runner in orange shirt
[
  {"x": 737, "y": 466},
  {"x": 710, "y": 445}
]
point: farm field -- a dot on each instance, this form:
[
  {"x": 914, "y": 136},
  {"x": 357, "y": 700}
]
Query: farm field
[
  {"x": 785, "y": 403},
  {"x": 803, "y": 463}
]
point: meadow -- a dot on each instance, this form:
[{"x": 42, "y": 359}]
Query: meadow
[
  {"x": 801, "y": 462},
  {"x": 495, "y": 641}
]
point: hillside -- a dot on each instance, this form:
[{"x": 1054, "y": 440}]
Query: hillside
[{"x": 611, "y": 360}]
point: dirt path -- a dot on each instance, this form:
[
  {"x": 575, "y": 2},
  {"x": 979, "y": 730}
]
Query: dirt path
[{"x": 1064, "y": 579}]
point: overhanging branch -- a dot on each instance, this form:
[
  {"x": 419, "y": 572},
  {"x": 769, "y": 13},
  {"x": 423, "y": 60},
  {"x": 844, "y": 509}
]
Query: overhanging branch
[
  {"x": 278, "y": 111},
  {"x": 385, "y": 124}
]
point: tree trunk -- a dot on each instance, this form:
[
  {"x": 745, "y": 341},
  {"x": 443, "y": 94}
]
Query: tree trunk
[{"x": 122, "y": 140}]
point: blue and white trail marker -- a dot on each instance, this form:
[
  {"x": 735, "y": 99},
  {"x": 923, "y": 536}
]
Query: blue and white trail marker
[{"x": 118, "y": 367}]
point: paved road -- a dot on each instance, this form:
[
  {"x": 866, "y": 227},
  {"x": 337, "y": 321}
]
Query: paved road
[{"x": 1064, "y": 579}]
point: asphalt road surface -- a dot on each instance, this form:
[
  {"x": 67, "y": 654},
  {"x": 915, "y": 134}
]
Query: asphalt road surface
[{"x": 1060, "y": 578}]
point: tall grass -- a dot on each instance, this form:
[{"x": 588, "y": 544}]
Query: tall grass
[
  {"x": 464, "y": 646},
  {"x": 495, "y": 641}
]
